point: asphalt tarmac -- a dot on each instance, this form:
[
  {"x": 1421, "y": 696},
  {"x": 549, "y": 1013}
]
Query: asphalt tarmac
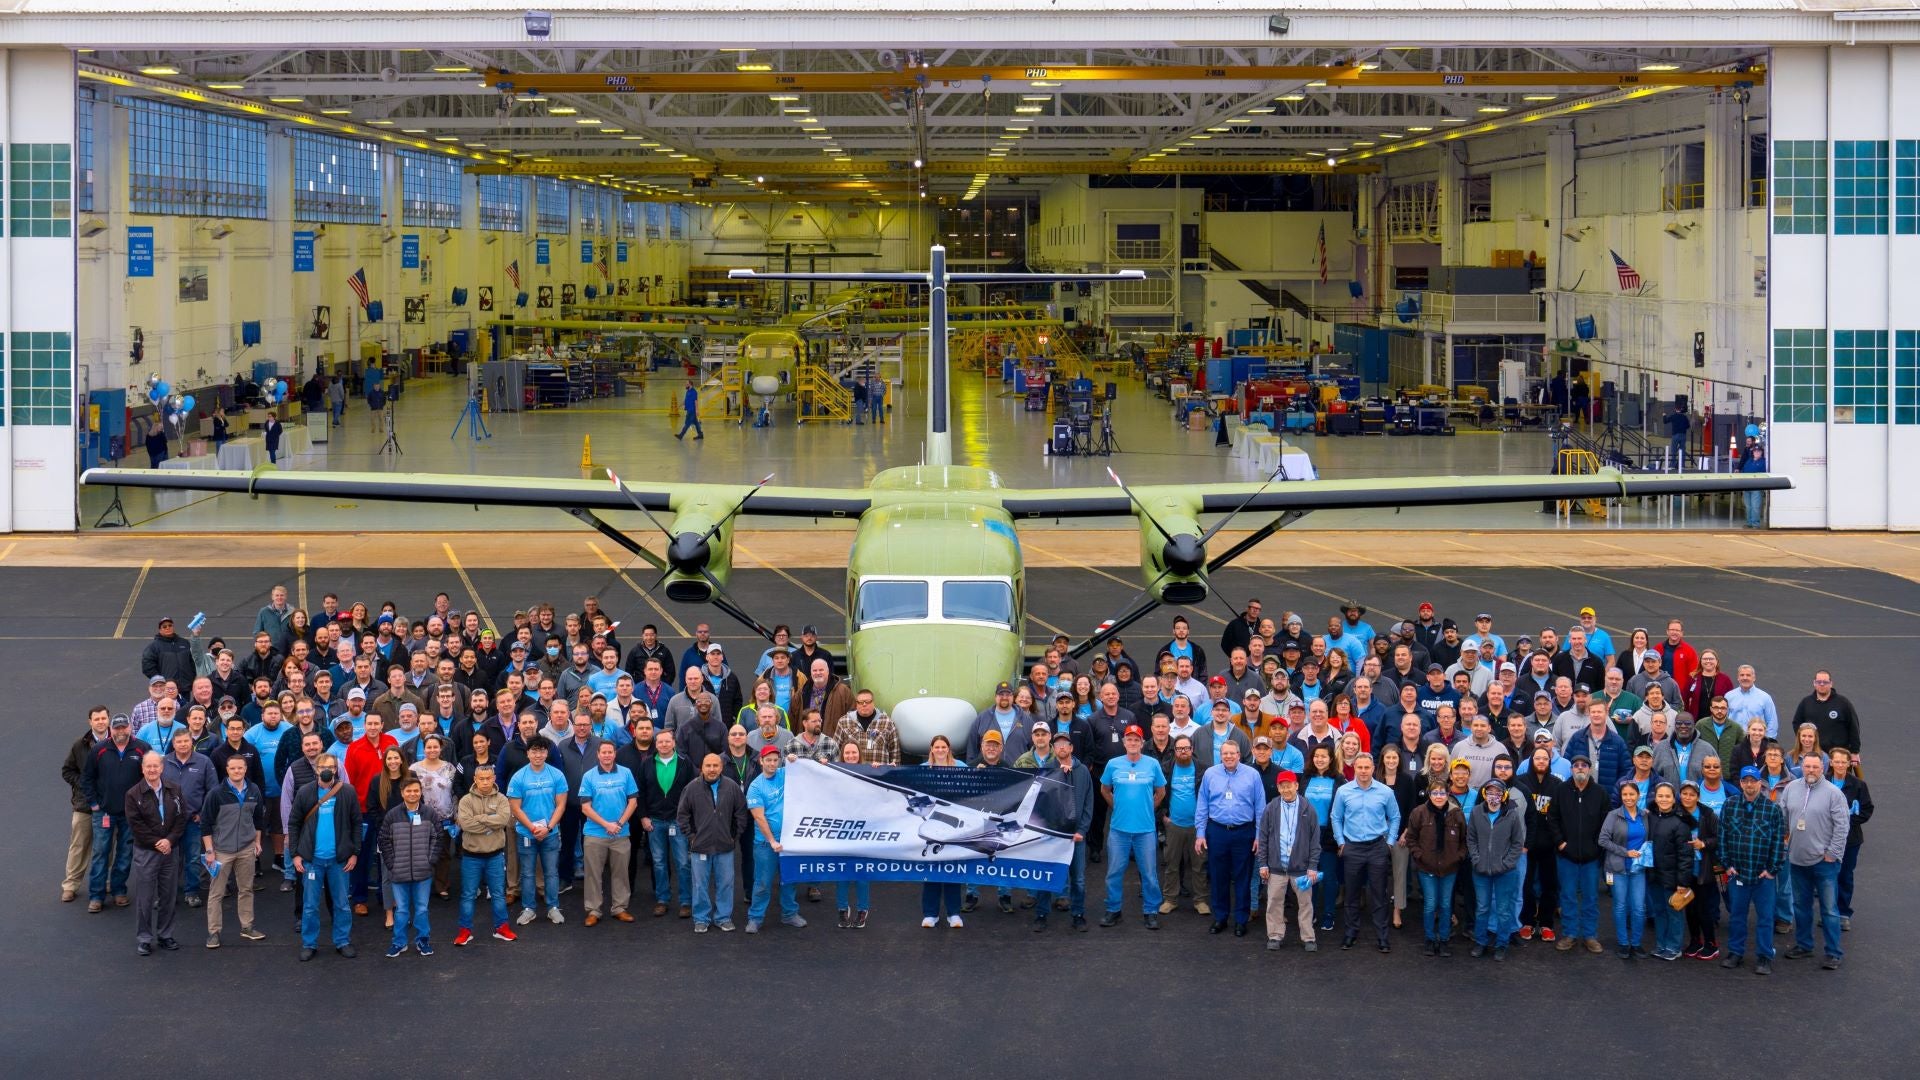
[{"x": 990, "y": 999}]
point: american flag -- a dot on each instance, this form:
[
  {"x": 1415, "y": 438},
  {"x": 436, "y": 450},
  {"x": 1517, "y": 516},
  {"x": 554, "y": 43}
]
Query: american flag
[
  {"x": 605, "y": 273},
  {"x": 1629, "y": 277},
  {"x": 513, "y": 272},
  {"x": 1323, "y": 253},
  {"x": 358, "y": 283}
]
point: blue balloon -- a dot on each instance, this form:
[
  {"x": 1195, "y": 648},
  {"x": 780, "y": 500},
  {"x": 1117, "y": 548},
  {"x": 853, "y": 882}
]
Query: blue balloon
[
  {"x": 1753, "y": 431},
  {"x": 186, "y": 403},
  {"x": 155, "y": 394},
  {"x": 280, "y": 392},
  {"x": 163, "y": 387}
]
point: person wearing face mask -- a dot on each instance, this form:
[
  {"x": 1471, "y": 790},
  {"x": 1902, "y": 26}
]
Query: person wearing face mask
[{"x": 326, "y": 814}]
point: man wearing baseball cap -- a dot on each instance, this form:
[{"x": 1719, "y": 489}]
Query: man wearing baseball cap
[
  {"x": 1483, "y": 630},
  {"x": 1573, "y": 825},
  {"x": 767, "y": 801},
  {"x": 1287, "y": 850},
  {"x": 1426, "y": 627},
  {"x": 1496, "y": 837},
  {"x": 1132, "y": 786},
  {"x": 1753, "y": 833}
]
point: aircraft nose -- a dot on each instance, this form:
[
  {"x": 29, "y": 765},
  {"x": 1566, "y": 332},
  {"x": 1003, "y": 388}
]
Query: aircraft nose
[{"x": 920, "y": 719}]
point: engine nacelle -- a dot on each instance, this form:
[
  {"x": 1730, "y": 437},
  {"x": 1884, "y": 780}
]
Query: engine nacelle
[
  {"x": 1177, "y": 565},
  {"x": 690, "y": 551}
]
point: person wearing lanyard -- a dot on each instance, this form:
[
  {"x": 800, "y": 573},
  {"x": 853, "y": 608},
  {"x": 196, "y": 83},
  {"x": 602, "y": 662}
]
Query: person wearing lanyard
[
  {"x": 1132, "y": 786},
  {"x": 1365, "y": 816},
  {"x": 1629, "y": 856},
  {"x": 1288, "y": 845},
  {"x": 1226, "y": 808}
]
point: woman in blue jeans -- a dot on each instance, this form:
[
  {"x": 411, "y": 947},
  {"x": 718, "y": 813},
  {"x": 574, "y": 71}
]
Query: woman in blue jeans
[
  {"x": 1436, "y": 840},
  {"x": 1669, "y": 833},
  {"x": 851, "y": 897},
  {"x": 1323, "y": 779},
  {"x": 1623, "y": 836},
  {"x": 935, "y": 894}
]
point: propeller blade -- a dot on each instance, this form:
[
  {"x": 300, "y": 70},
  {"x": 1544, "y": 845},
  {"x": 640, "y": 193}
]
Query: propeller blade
[
  {"x": 737, "y": 507},
  {"x": 638, "y": 505},
  {"x": 1132, "y": 613},
  {"x": 725, "y": 601},
  {"x": 1278, "y": 472},
  {"x": 661, "y": 580},
  {"x": 1121, "y": 484}
]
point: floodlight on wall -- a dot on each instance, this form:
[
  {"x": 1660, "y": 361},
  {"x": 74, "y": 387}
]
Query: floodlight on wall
[
  {"x": 220, "y": 230},
  {"x": 388, "y": 236},
  {"x": 1577, "y": 235},
  {"x": 445, "y": 235},
  {"x": 319, "y": 231},
  {"x": 1680, "y": 230},
  {"x": 493, "y": 238},
  {"x": 93, "y": 226}
]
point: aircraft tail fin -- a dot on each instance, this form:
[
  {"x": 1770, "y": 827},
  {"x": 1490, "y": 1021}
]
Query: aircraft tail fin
[
  {"x": 1024, "y": 815},
  {"x": 939, "y": 439}
]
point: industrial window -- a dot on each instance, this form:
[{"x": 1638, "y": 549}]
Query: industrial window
[
  {"x": 1906, "y": 377},
  {"x": 656, "y": 219},
  {"x": 676, "y": 222},
  {"x": 1860, "y": 187},
  {"x": 430, "y": 190},
  {"x": 629, "y": 218},
  {"x": 40, "y": 189},
  {"x": 1799, "y": 376},
  {"x": 1800, "y": 187},
  {"x": 592, "y": 211},
  {"x": 42, "y": 376},
  {"x": 1906, "y": 187},
  {"x": 1859, "y": 376},
  {"x": 503, "y": 201},
  {"x": 185, "y": 161},
  {"x": 552, "y": 205},
  {"x": 83, "y": 146},
  {"x": 335, "y": 180}
]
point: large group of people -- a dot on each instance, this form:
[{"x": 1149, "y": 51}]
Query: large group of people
[{"x": 361, "y": 759}]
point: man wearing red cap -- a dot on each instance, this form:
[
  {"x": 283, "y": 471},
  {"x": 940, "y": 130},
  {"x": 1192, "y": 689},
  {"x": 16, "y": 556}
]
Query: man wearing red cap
[
  {"x": 767, "y": 801},
  {"x": 1287, "y": 847},
  {"x": 1132, "y": 786}
]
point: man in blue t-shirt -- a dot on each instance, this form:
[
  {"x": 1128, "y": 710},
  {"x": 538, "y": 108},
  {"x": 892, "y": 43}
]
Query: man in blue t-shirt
[
  {"x": 538, "y": 795},
  {"x": 1180, "y": 866},
  {"x": 1133, "y": 786},
  {"x": 767, "y": 802},
  {"x": 609, "y": 796}
]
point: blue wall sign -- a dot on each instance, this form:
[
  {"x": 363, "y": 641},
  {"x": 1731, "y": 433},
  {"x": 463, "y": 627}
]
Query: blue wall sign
[
  {"x": 140, "y": 251},
  {"x": 303, "y": 252}
]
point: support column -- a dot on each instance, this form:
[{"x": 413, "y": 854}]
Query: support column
[
  {"x": 38, "y": 268},
  {"x": 1557, "y": 176},
  {"x": 1453, "y": 206},
  {"x": 1800, "y": 365},
  {"x": 1729, "y": 267}
]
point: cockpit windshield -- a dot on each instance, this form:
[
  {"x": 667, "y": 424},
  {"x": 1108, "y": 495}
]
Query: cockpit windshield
[
  {"x": 891, "y": 601},
  {"x": 977, "y": 601},
  {"x": 941, "y": 600}
]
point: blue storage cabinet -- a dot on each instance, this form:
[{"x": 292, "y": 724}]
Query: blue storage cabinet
[{"x": 1368, "y": 345}]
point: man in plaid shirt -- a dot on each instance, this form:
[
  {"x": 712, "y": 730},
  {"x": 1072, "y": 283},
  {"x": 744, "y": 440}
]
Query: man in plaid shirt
[
  {"x": 873, "y": 729},
  {"x": 1753, "y": 834}
]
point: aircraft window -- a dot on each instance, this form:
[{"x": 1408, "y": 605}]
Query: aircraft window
[
  {"x": 946, "y": 819},
  {"x": 977, "y": 601},
  {"x": 891, "y": 601}
]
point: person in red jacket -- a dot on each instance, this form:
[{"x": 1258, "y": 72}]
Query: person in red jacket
[
  {"x": 365, "y": 758},
  {"x": 1678, "y": 657}
]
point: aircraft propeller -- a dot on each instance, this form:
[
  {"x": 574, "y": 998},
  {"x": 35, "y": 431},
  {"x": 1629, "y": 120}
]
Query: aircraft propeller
[{"x": 690, "y": 552}]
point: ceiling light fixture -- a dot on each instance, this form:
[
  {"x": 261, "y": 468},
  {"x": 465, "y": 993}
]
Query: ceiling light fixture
[
  {"x": 1030, "y": 109},
  {"x": 336, "y": 112},
  {"x": 588, "y": 120},
  {"x": 1659, "y": 65},
  {"x": 1419, "y": 128},
  {"x": 753, "y": 67},
  {"x": 160, "y": 69},
  {"x": 1291, "y": 97},
  {"x": 1493, "y": 109},
  {"x": 454, "y": 69},
  {"x": 226, "y": 86},
  {"x": 1540, "y": 97},
  {"x": 562, "y": 110},
  {"x": 286, "y": 100}
]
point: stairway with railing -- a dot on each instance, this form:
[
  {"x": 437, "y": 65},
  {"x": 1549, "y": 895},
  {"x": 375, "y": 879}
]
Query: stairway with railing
[
  {"x": 1272, "y": 297},
  {"x": 821, "y": 397}
]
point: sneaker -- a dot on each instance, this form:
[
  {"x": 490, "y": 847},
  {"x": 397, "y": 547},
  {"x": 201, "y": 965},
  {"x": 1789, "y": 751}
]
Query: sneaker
[
  {"x": 1273, "y": 944},
  {"x": 1732, "y": 961},
  {"x": 1166, "y": 907},
  {"x": 1624, "y": 954},
  {"x": 1763, "y": 967},
  {"x": 1111, "y": 918},
  {"x": 725, "y": 925},
  {"x": 954, "y": 923},
  {"x": 846, "y": 919},
  {"x": 1039, "y": 924},
  {"x": 464, "y": 937},
  {"x": 699, "y": 928},
  {"x": 396, "y": 950},
  {"x": 1446, "y": 948},
  {"x": 423, "y": 947},
  {"x": 1709, "y": 951},
  {"x": 1668, "y": 955},
  {"x": 1203, "y": 907},
  {"x": 1080, "y": 923},
  {"x": 1546, "y": 933},
  {"x": 251, "y": 934},
  {"x": 795, "y": 920},
  {"x": 972, "y": 901},
  {"x": 1846, "y": 923},
  {"x": 1526, "y": 933},
  {"x": 503, "y": 932},
  {"x": 213, "y": 941},
  {"x": 1500, "y": 954},
  {"x": 1006, "y": 904},
  {"x": 1153, "y": 922},
  {"x": 193, "y": 900},
  {"x": 929, "y": 923},
  {"x": 554, "y": 916},
  {"x": 1798, "y": 953},
  {"x": 753, "y": 926},
  {"x": 1831, "y": 963},
  {"x": 1477, "y": 951},
  {"x": 1311, "y": 946},
  {"x": 860, "y": 920},
  {"x": 308, "y": 954},
  {"x": 1641, "y": 954},
  {"x": 527, "y": 915},
  {"x": 1563, "y": 945}
]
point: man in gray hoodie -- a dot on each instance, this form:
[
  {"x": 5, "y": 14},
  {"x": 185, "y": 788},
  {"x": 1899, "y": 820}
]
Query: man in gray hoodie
[{"x": 1817, "y": 822}]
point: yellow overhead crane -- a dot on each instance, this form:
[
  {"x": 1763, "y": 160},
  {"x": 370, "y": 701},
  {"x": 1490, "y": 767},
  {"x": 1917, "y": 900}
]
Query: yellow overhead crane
[
  {"x": 856, "y": 82},
  {"x": 582, "y": 167}
]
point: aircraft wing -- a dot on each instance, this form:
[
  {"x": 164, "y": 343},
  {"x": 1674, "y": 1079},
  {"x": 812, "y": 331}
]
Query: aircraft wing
[
  {"x": 560, "y": 493},
  {"x": 1381, "y": 492}
]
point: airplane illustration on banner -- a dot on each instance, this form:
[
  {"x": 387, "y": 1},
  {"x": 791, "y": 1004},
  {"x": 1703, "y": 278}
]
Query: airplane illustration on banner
[{"x": 945, "y": 824}]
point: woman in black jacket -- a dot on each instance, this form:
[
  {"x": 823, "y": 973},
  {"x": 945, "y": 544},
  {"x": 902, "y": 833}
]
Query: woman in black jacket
[
  {"x": 1669, "y": 833},
  {"x": 1860, "y": 808},
  {"x": 1703, "y": 915},
  {"x": 1407, "y": 794}
]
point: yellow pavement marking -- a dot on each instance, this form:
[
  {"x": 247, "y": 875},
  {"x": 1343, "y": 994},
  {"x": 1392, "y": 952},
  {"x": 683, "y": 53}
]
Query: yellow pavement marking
[
  {"x": 1782, "y": 581},
  {"x": 8, "y": 550},
  {"x": 480, "y": 605},
  {"x": 621, "y": 572},
  {"x": 120, "y": 628},
  {"x": 796, "y": 582},
  {"x": 300, "y": 573},
  {"x": 1045, "y": 625},
  {"x": 1078, "y": 565}
]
